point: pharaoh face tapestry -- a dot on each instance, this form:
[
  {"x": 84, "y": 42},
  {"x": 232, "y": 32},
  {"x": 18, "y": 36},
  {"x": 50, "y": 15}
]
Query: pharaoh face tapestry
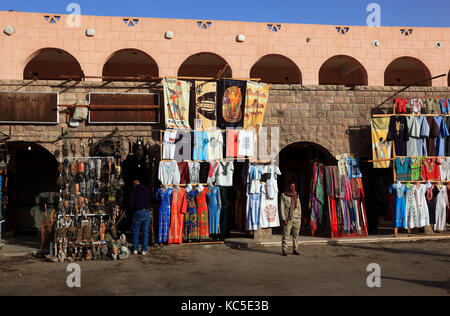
[
  {"x": 176, "y": 103},
  {"x": 205, "y": 99},
  {"x": 380, "y": 147},
  {"x": 255, "y": 105},
  {"x": 231, "y": 103}
]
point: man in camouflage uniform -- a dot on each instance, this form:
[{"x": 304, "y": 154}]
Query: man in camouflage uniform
[{"x": 291, "y": 213}]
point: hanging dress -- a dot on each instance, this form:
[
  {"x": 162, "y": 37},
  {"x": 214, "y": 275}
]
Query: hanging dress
[
  {"x": 202, "y": 214},
  {"x": 177, "y": 212},
  {"x": 165, "y": 198},
  {"x": 253, "y": 208},
  {"x": 403, "y": 169},
  {"x": 411, "y": 216},
  {"x": 416, "y": 168},
  {"x": 441, "y": 209},
  {"x": 431, "y": 195},
  {"x": 269, "y": 216},
  {"x": 422, "y": 206},
  {"x": 399, "y": 205},
  {"x": 214, "y": 208},
  {"x": 190, "y": 228}
]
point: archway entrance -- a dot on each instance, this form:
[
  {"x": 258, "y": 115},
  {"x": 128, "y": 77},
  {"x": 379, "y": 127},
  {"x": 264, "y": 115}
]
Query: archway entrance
[
  {"x": 296, "y": 164},
  {"x": 342, "y": 70},
  {"x": 204, "y": 65},
  {"x": 276, "y": 69},
  {"x": 51, "y": 64},
  {"x": 128, "y": 63},
  {"x": 406, "y": 71},
  {"x": 32, "y": 174}
]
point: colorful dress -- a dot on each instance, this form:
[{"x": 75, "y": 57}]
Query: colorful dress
[
  {"x": 269, "y": 216},
  {"x": 252, "y": 210},
  {"x": 416, "y": 169},
  {"x": 399, "y": 205},
  {"x": 190, "y": 228},
  {"x": 403, "y": 169},
  {"x": 202, "y": 214},
  {"x": 178, "y": 209},
  {"x": 422, "y": 206},
  {"x": 214, "y": 208},
  {"x": 165, "y": 198}
]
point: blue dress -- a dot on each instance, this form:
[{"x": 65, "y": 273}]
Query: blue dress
[
  {"x": 440, "y": 140},
  {"x": 214, "y": 207},
  {"x": 165, "y": 199},
  {"x": 399, "y": 206}
]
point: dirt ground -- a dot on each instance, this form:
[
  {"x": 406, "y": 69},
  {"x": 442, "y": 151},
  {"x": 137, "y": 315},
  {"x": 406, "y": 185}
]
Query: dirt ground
[{"x": 410, "y": 268}]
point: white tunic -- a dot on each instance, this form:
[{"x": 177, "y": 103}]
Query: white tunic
[
  {"x": 169, "y": 145},
  {"x": 412, "y": 219},
  {"x": 246, "y": 143},
  {"x": 215, "y": 145},
  {"x": 224, "y": 176},
  {"x": 444, "y": 169},
  {"x": 194, "y": 171},
  {"x": 422, "y": 206},
  {"x": 168, "y": 173},
  {"x": 272, "y": 184},
  {"x": 441, "y": 209},
  {"x": 269, "y": 216}
]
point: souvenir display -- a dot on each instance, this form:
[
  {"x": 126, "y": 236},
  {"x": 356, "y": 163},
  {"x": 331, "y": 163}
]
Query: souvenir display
[{"x": 90, "y": 205}]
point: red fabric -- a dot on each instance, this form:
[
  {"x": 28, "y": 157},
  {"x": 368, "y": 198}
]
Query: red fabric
[
  {"x": 202, "y": 214},
  {"x": 334, "y": 221},
  {"x": 232, "y": 143},
  {"x": 401, "y": 105},
  {"x": 178, "y": 208},
  {"x": 430, "y": 169},
  {"x": 184, "y": 172}
]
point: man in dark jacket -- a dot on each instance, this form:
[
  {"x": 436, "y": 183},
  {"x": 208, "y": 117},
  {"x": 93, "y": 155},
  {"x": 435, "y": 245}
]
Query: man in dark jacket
[{"x": 141, "y": 200}]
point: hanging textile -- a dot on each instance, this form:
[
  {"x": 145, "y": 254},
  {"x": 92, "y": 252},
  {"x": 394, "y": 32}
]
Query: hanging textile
[
  {"x": 178, "y": 209},
  {"x": 230, "y": 103},
  {"x": 202, "y": 214},
  {"x": 269, "y": 208},
  {"x": 317, "y": 196},
  {"x": 255, "y": 104},
  {"x": 190, "y": 228},
  {"x": 214, "y": 208},
  {"x": 380, "y": 147},
  {"x": 205, "y": 100},
  {"x": 176, "y": 103},
  {"x": 164, "y": 197}
]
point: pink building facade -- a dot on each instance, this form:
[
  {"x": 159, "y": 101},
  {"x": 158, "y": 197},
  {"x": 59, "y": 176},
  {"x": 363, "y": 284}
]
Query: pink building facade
[{"x": 43, "y": 46}]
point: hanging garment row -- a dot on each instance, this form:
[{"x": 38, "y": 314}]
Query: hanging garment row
[
  {"x": 413, "y": 136},
  {"x": 422, "y": 169},
  {"x": 208, "y": 145},
  {"x": 420, "y": 205},
  {"x": 416, "y": 105}
]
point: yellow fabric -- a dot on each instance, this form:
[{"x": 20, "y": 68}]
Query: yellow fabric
[
  {"x": 381, "y": 149},
  {"x": 176, "y": 103},
  {"x": 255, "y": 104}
]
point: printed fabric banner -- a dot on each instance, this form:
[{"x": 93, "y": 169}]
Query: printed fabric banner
[
  {"x": 231, "y": 103},
  {"x": 205, "y": 100},
  {"x": 255, "y": 105},
  {"x": 176, "y": 103},
  {"x": 380, "y": 147}
]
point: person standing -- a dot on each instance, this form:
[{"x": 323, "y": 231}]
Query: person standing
[
  {"x": 141, "y": 200},
  {"x": 291, "y": 213}
]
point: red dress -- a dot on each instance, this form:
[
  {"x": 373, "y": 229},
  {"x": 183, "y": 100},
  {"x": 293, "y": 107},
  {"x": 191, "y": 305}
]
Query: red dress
[
  {"x": 430, "y": 169},
  {"x": 202, "y": 214},
  {"x": 401, "y": 105},
  {"x": 178, "y": 208}
]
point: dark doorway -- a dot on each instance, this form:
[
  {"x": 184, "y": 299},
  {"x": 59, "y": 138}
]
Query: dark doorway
[
  {"x": 296, "y": 164},
  {"x": 32, "y": 174}
]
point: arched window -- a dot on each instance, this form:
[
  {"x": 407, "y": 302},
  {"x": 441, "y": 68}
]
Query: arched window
[
  {"x": 276, "y": 69},
  {"x": 204, "y": 65},
  {"x": 406, "y": 71},
  {"x": 128, "y": 65},
  {"x": 343, "y": 70},
  {"x": 52, "y": 64}
]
